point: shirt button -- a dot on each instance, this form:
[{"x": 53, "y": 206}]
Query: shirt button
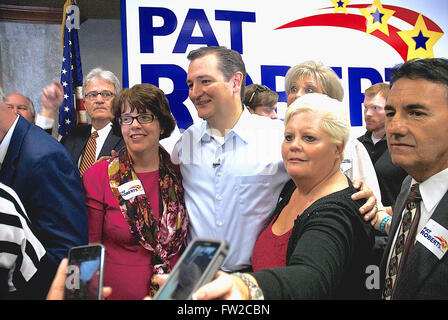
[
  {"x": 219, "y": 223},
  {"x": 218, "y": 197},
  {"x": 219, "y": 173}
]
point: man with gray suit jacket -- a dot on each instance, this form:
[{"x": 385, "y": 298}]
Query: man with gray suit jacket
[
  {"x": 99, "y": 88},
  {"x": 415, "y": 265}
]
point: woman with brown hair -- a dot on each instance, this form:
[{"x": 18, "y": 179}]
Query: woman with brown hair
[{"x": 135, "y": 200}]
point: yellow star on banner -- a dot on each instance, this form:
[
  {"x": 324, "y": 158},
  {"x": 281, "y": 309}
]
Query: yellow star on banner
[
  {"x": 420, "y": 40},
  {"x": 340, "y": 5},
  {"x": 377, "y": 17}
]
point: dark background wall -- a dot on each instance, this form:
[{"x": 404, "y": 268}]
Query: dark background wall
[{"x": 30, "y": 42}]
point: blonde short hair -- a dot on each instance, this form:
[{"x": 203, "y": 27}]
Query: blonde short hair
[
  {"x": 333, "y": 114},
  {"x": 316, "y": 70}
]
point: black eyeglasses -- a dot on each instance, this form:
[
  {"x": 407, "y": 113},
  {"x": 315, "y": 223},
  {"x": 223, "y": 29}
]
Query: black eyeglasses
[
  {"x": 141, "y": 118},
  {"x": 258, "y": 88},
  {"x": 105, "y": 94}
]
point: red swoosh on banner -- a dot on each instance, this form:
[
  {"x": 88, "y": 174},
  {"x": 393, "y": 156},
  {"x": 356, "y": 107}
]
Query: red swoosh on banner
[
  {"x": 351, "y": 21},
  {"x": 358, "y": 22}
]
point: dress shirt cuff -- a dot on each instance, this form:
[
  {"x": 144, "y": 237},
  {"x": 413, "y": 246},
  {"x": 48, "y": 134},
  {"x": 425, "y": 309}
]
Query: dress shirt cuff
[{"x": 44, "y": 122}]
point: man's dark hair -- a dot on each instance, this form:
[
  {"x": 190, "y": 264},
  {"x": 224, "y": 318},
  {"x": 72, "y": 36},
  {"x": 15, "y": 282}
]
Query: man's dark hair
[
  {"x": 434, "y": 70},
  {"x": 229, "y": 62}
]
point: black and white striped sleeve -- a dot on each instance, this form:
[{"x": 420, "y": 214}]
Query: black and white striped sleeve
[{"x": 20, "y": 249}]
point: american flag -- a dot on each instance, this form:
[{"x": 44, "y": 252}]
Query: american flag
[{"x": 71, "y": 76}]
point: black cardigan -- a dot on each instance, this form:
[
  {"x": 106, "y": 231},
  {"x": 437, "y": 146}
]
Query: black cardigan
[{"x": 328, "y": 251}]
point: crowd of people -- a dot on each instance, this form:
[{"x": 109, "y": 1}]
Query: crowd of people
[{"x": 304, "y": 207}]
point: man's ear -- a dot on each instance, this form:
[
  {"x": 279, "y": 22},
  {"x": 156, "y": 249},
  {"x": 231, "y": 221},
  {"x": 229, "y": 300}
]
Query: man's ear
[{"x": 237, "y": 81}]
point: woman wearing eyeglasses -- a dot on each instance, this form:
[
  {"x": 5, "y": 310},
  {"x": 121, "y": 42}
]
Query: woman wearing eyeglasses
[{"x": 135, "y": 201}]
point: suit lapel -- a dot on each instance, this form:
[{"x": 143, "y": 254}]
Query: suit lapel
[
  {"x": 421, "y": 261},
  {"x": 8, "y": 170},
  {"x": 109, "y": 144},
  {"x": 79, "y": 146}
]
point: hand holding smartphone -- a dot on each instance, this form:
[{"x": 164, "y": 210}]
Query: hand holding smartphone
[
  {"x": 197, "y": 266},
  {"x": 85, "y": 273}
]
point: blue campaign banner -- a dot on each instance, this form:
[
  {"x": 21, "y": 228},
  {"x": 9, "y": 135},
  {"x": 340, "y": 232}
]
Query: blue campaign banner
[{"x": 361, "y": 40}]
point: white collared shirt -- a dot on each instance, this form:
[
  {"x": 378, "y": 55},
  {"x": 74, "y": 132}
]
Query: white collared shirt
[
  {"x": 232, "y": 183},
  {"x": 432, "y": 191},
  {"x": 6, "y": 141}
]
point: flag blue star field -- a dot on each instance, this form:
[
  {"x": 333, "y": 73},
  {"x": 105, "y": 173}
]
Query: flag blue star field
[{"x": 71, "y": 77}]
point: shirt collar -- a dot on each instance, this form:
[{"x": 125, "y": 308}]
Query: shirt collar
[
  {"x": 433, "y": 189},
  {"x": 104, "y": 131},
  {"x": 241, "y": 128},
  {"x": 6, "y": 141},
  {"x": 368, "y": 136}
]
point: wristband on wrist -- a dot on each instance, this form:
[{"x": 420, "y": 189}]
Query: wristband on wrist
[
  {"x": 255, "y": 292},
  {"x": 384, "y": 223}
]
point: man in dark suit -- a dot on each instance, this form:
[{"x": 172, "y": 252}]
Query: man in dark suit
[
  {"x": 417, "y": 135},
  {"x": 99, "y": 87},
  {"x": 45, "y": 178}
]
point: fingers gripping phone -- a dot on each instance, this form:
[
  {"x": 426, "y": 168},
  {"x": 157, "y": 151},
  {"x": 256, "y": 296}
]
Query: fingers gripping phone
[
  {"x": 197, "y": 266},
  {"x": 85, "y": 273}
]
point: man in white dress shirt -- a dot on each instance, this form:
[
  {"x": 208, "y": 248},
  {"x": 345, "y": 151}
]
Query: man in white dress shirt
[{"x": 231, "y": 163}]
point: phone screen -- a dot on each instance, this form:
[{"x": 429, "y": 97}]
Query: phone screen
[
  {"x": 84, "y": 273},
  {"x": 180, "y": 284}
]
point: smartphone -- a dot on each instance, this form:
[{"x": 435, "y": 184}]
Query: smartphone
[
  {"x": 197, "y": 266},
  {"x": 85, "y": 273}
]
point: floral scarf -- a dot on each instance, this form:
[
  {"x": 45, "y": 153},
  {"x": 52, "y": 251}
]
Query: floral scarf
[{"x": 163, "y": 237}]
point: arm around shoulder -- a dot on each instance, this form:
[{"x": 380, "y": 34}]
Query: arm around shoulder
[{"x": 323, "y": 250}]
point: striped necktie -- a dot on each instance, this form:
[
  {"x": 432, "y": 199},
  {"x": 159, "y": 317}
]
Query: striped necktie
[
  {"x": 404, "y": 241},
  {"x": 89, "y": 154}
]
